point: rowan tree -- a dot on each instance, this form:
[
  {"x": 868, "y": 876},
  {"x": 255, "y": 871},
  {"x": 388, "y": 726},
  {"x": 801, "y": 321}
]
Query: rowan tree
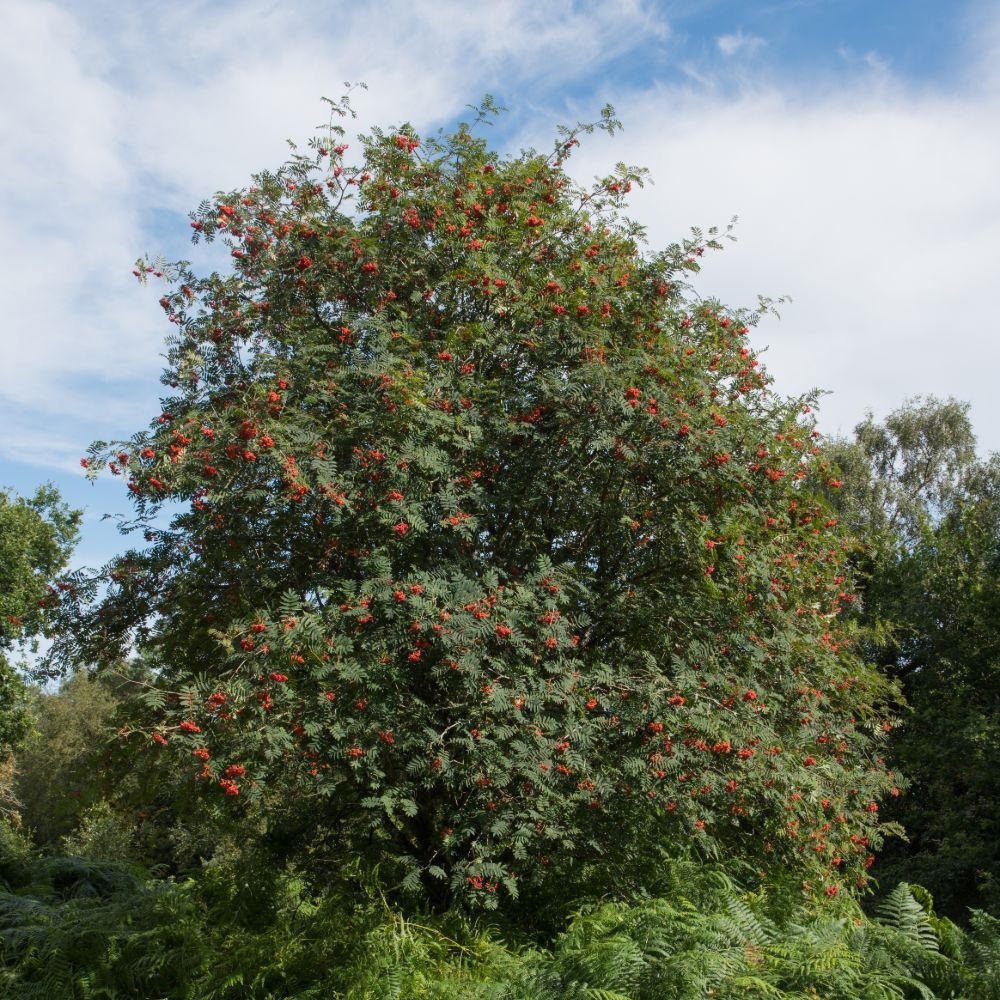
[{"x": 495, "y": 541}]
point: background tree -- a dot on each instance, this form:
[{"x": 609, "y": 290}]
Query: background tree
[
  {"x": 928, "y": 512},
  {"x": 495, "y": 541},
  {"x": 37, "y": 535},
  {"x": 62, "y": 765}
]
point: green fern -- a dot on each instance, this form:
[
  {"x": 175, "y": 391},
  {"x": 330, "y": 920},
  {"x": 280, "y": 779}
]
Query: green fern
[
  {"x": 904, "y": 913},
  {"x": 78, "y": 929}
]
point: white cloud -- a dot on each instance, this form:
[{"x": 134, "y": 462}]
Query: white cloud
[
  {"x": 876, "y": 211},
  {"x": 730, "y": 45},
  {"x": 110, "y": 113},
  {"x": 874, "y": 206}
]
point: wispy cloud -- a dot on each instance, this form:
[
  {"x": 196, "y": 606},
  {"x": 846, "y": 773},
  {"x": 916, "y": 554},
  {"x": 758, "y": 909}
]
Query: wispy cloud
[
  {"x": 874, "y": 63},
  {"x": 869, "y": 198},
  {"x": 731, "y": 45},
  {"x": 876, "y": 210},
  {"x": 873, "y": 205},
  {"x": 114, "y": 115}
]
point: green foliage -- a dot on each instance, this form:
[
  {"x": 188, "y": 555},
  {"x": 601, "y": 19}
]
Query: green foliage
[
  {"x": 903, "y": 913},
  {"x": 482, "y": 564},
  {"x": 926, "y": 511},
  {"x": 494, "y": 541},
  {"x": 9, "y": 802},
  {"x": 980, "y": 950},
  {"x": 16, "y": 852},
  {"x": 901, "y": 472},
  {"x": 36, "y": 538},
  {"x": 102, "y": 835},
  {"x": 77, "y": 791},
  {"x": 63, "y": 765},
  {"x": 15, "y": 719},
  {"x": 77, "y": 929}
]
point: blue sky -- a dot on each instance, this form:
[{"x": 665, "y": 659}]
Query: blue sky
[{"x": 857, "y": 140}]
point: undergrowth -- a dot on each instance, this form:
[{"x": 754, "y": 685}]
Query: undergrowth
[{"x": 76, "y": 928}]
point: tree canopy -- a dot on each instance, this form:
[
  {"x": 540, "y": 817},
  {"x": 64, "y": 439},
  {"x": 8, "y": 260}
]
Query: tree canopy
[{"x": 487, "y": 539}]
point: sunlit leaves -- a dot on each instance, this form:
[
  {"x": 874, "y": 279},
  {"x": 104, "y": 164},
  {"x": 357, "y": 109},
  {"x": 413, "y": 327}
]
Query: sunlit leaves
[{"x": 490, "y": 526}]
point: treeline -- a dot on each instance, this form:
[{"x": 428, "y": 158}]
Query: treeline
[{"x": 926, "y": 512}]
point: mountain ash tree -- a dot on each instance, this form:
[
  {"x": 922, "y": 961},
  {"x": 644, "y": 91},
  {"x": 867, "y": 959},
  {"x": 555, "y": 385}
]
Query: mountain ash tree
[{"x": 475, "y": 535}]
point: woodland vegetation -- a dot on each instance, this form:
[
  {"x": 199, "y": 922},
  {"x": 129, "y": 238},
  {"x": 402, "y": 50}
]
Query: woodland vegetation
[{"x": 489, "y": 626}]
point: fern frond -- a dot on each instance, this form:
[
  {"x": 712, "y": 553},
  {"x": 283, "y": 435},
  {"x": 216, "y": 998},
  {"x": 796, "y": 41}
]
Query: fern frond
[{"x": 903, "y": 913}]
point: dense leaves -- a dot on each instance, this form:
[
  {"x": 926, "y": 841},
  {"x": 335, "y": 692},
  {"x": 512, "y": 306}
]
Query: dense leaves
[
  {"x": 927, "y": 510},
  {"x": 487, "y": 540},
  {"x": 37, "y": 535},
  {"x": 63, "y": 765},
  {"x": 75, "y": 928}
]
